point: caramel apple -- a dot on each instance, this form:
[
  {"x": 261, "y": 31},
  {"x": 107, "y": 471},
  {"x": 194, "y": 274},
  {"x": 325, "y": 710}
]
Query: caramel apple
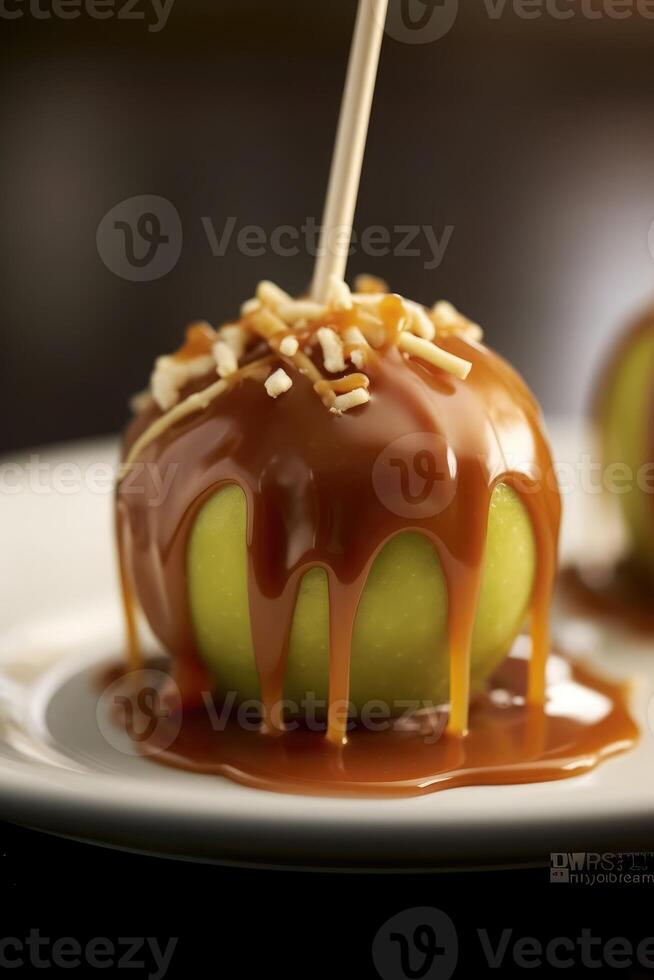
[
  {"x": 362, "y": 506},
  {"x": 626, "y": 404},
  {"x": 342, "y": 505},
  {"x": 335, "y": 512}
]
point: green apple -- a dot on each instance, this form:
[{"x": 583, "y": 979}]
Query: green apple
[
  {"x": 628, "y": 424},
  {"x": 400, "y": 637}
]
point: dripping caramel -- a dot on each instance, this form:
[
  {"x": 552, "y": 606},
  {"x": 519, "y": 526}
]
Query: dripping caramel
[
  {"x": 485, "y": 419},
  {"x": 507, "y": 743},
  {"x": 480, "y": 419}
]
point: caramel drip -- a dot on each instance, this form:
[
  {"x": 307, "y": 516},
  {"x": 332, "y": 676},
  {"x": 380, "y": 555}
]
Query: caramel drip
[
  {"x": 508, "y": 742},
  {"x": 463, "y": 587},
  {"x": 392, "y": 312},
  {"x": 272, "y": 593},
  {"x": 341, "y": 386},
  {"x": 132, "y": 644},
  {"x": 308, "y": 480},
  {"x": 546, "y": 547},
  {"x": 343, "y": 603}
]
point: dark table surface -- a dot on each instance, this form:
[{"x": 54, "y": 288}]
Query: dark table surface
[{"x": 246, "y": 922}]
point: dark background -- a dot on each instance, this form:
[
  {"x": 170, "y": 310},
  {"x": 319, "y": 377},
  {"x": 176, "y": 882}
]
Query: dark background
[
  {"x": 533, "y": 138},
  {"x": 241, "y": 924}
]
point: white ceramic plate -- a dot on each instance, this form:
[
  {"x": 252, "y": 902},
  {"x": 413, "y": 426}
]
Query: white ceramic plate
[{"x": 59, "y": 622}]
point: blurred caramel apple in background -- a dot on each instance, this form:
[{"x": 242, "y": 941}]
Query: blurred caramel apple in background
[{"x": 626, "y": 417}]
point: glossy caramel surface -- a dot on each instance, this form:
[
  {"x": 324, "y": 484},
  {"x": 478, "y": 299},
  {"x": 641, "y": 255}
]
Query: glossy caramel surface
[
  {"x": 307, "y": 475},
  {"x": 584, "y": 720}
]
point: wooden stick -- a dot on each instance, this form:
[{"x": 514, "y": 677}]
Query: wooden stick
[{"x": 345, "y": 174}]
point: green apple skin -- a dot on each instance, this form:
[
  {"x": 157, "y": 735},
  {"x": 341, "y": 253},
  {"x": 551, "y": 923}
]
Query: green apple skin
[
  {"x": 626, "y": 422},
  {"x": 399, "y": 649}
]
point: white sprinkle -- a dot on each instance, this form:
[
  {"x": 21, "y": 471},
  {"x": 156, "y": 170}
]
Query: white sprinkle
[
  {"x": 164, "y": 383},
  {"x": 226, "y": 360},
  {"x": 368, "y": 299},
  {"x": 140, "y": 401},
  {"x": 332, "y": 350},
  {"x": 268, "y": 323},
  {"x": 447, "y": 314},
  {"x": 271, "y": 295},
  {"x": 418, "y": 347},
  {"x": 375, "y": 332},
  {"x": 300, "y": 310},
  {"x": 170, "y": 375},
  {"x": 353, "y": 335},
  {"x": 370, "y": 284},
  {"x": 235, "y": 337},
  {"x": 277, "y": 383},
  {"x": 338, "y": 294},
  {"x": 358, "y": 396},
  {"x": 289, "y": 346},
  {"x": 420, "y": 322},
  {"x": 448, "y": 320},
  {"x": 250, "y": 306}
]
